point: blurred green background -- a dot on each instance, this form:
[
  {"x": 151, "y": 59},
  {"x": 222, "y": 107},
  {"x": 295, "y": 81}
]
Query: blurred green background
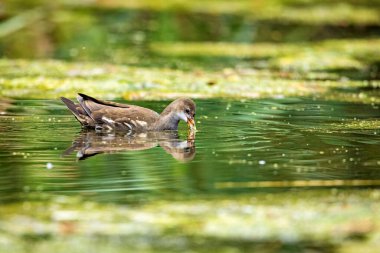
[{"x": 215, "y": 42}]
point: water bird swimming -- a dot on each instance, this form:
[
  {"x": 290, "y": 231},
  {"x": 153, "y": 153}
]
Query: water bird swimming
[{"x": 99, "y": 114}]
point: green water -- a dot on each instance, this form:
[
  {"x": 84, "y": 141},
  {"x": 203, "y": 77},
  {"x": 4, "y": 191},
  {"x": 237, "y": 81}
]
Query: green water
[
  {"x": 238, "y": 142},
  {"x": 246, "y": 156}
]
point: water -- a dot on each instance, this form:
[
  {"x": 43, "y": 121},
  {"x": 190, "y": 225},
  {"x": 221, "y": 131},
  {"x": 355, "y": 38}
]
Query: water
[{"x": 240, "y": 147}]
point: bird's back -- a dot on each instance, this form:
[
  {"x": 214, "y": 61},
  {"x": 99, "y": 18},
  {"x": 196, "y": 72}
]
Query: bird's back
[{"x": 110, "y": 115}]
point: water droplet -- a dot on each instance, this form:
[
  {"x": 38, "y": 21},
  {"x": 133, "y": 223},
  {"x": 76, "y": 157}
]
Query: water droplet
[{"x": 49, "y": 166}]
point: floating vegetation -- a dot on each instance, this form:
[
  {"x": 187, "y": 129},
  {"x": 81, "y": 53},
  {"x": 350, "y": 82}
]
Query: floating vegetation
[
  {"x": 365, "y": 126},
  {"x": 243, "y": 221},
  {"x": 323, "y": 56},
  {"x": 319, "y": 12},
  {"x": 51, "y": 79}
]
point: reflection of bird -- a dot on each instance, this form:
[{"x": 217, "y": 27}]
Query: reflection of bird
[
  {"x": 90, "y": 143},
  {"x": 98, "y": 114}
]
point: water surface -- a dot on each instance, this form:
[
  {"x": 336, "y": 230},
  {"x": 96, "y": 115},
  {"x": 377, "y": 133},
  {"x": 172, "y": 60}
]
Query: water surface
[{"x": 240, "y": 147}]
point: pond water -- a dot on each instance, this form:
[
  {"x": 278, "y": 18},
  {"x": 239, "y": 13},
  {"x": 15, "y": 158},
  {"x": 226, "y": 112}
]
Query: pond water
[{"x": 240, "y": 147}]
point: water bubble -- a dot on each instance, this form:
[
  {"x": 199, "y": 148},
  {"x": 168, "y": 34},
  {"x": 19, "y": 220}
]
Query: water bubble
[
  {"x": 49, "y": 166},
  {"x": 262, "y": 162}
]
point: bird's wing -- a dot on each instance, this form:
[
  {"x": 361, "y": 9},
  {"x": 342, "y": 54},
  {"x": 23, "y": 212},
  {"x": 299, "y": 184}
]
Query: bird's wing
[
  {"x": 94, "y": 104},
  {"x": 133, "y": 118},
  {"x": 116, "y": 115}
]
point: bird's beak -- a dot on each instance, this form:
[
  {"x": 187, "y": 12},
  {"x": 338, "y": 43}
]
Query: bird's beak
[{"x": 191, "y": 123}]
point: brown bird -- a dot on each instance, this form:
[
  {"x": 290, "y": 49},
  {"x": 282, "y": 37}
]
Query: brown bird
[{"x": 106, "y": 115}]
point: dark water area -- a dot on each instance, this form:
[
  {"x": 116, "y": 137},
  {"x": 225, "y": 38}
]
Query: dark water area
[{"x": 240, "y": 147}]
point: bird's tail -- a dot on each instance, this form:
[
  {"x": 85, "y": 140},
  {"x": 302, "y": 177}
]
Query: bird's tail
[{"x": 79, "y": 113}]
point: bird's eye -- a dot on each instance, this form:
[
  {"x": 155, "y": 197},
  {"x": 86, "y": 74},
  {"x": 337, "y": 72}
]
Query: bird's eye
[{"x": 187, "y": 111}]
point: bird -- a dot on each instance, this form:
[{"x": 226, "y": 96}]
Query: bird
[{"x": 101, "y": 115}]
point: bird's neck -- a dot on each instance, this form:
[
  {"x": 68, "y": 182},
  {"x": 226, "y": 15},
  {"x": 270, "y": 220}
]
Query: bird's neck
[{"x": 167, "y": 121}]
